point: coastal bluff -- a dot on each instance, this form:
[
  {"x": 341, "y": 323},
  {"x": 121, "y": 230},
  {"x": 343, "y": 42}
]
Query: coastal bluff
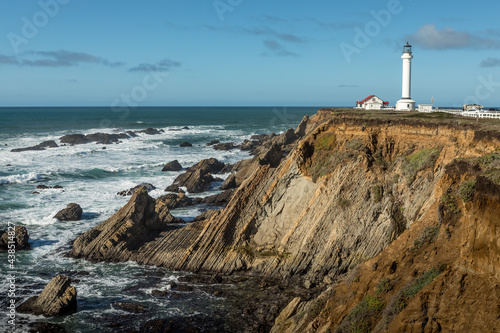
[{"x": 360, "y": 198}]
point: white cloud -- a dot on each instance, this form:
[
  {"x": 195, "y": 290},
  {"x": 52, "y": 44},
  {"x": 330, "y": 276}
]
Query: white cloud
[{"x": 430, "y": 37}]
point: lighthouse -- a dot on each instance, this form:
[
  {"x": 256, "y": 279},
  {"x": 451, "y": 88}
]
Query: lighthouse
[{"x": 406, "y": 103}]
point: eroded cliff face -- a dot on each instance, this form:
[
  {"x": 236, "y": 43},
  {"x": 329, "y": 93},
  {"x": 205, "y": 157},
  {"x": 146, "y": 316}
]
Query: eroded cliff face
[
  {"x": 352, "y": 191},
  {"x": 441, "y": 275}
]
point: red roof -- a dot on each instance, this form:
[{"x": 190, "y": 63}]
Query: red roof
[{"x": 366, "y": 99}]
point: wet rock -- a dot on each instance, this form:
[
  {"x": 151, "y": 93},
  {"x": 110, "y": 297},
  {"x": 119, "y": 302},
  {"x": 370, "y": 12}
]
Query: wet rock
[
  {"x": 150, "y": 131},
  {"x": 118, "y": 238},
  {"x": 211, "y": 165},
  {"x": 148, "y": 187},
  {"x": 173, "y": 188},
  {"x": 130, "y": 307},
  {"x": 262, "y": 137},
  {"x": 41, "y": 146},
  {"x": 272, "y": 156},
  {"x": 172, "y": 201},
  {"x": 172, "y": 166},
  {"x": 58, "y": 187},
  {"x": 224, "y": 146},
  {"x": 185, "y": 128},
  {"x": 21, "y": 239},
  {"x": 42, "y": 187},
  {"x": 46, "y": 328},
  {"x": 248, "y": 144},
  {"x": 57, "y": 298},
  {"x": 229, "y": 183},
  {"x": 74, "y": 139},
  {"x": 193, "y": 324},
  {"x": 183, "y": 288},
  {"x": 213, "y": 142},
  {"x": 106, "y": 139},
  {"x": 73, "y": 212},
  {"x": 131, "y": 134},
  {"x": 185, "y": 144},
  {"x": 159, "y": 293},
  {"x": 197, "y": 178}
]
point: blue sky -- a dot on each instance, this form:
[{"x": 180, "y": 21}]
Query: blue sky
[{"x": 246, "y": 52}]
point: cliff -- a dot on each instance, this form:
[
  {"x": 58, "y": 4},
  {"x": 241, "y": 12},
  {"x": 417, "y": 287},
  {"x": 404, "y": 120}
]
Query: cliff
[{"x": 355, "y": 193}]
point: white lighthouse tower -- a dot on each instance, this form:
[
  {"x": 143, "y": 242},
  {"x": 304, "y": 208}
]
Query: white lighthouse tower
[{"x": 406, "y": 103}]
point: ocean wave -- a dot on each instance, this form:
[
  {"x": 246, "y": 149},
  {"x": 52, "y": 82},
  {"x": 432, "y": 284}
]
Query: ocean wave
[{"x": 31, "y": 177}]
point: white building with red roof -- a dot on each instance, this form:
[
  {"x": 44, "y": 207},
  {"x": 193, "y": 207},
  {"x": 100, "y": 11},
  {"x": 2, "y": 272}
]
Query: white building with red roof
[{"x": 372, "y": 102}]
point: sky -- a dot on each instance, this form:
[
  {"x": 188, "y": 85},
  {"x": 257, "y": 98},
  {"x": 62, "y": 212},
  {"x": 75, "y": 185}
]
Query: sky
[{"x": 246, "y": 52}]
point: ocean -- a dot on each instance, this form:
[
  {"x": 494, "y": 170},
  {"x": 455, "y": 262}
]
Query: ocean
[{"x": 91, "y": 176}]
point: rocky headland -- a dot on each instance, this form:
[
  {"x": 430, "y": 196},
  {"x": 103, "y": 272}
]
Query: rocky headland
[{"x": 390, "y": 220}]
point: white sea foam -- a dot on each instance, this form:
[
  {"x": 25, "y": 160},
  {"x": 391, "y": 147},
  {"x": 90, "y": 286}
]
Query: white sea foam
[{"x": 21, "y": 178}]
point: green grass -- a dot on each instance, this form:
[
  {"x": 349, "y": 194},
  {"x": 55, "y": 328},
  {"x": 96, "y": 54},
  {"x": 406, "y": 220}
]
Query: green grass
[
  {"x": 466, "y": 190},
  {"x": 402, "y": 298},
  {"x": 377, "y": 192},
  {"x": 326, "y": 141},
  {"x": 363, "y": 317},
  {"x": 418, "y": 161}
]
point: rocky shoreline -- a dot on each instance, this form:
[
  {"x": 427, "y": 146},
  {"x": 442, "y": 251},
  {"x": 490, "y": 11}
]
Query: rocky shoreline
[{"x": 326, "y": 228}]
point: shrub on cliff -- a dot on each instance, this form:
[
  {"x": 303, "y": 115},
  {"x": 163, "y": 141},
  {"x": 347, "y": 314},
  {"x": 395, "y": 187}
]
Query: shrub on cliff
[
  {"x": 363, "y": 317},
  {"x": 418, "y": 161},
  {"x": 466, "y": 190}
]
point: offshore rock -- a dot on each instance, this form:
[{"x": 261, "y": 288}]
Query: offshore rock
[
  {"x": 41, "y": 146},
  {"x": 172, "y": 201},
  {"x": 172, "y": 166},
  {"x": 74, "y": 139},
  {"x": 229, "y": 183},
  {"x": 73, "y": 212},
  {"x": 148, "y": 187},
  {"x": 20, "y": 241},
  {"x": 185, "y": 144},
  {"x": 197, "y": 178},
  {"x": 225, "y": 146},
  {"x": 57, "y": 298},
  {"x": 118, "y": 238}
]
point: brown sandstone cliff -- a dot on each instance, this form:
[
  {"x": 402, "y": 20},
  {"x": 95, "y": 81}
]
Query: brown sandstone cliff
[{"x": 355, "y": 189}]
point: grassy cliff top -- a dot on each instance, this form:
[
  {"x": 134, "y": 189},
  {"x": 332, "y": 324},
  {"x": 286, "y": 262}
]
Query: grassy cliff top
[{"x": 374, "y": 117}]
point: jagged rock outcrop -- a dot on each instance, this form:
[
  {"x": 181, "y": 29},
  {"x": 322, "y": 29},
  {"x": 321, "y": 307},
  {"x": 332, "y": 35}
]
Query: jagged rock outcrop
[
  {"x": 430, "y": 278},
  {"x": 197, "y": 178},
  {"x": 151, "y": 131},
  {"x": 20, "y": 238},
  {"x": 40, "y": 146},
  {"x": 118, "y": 238},
  {"x": 224, "y": 146},
  {"x": 350, "y": 187},
  {"x": 148, "y": 187},
  {"x": 172, "y": 201},
  {"x": 103, "y": 138},
  {"x": 72, "y": 212},
  {"x": 172, "y": 166},
  {"x": 57, "y": 298}
]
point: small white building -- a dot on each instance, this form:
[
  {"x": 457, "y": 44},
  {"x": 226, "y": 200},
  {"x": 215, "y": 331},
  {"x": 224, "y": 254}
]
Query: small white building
[
  {"x": 425, "y": 107},
  {"x": 372, "y": 102}
]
